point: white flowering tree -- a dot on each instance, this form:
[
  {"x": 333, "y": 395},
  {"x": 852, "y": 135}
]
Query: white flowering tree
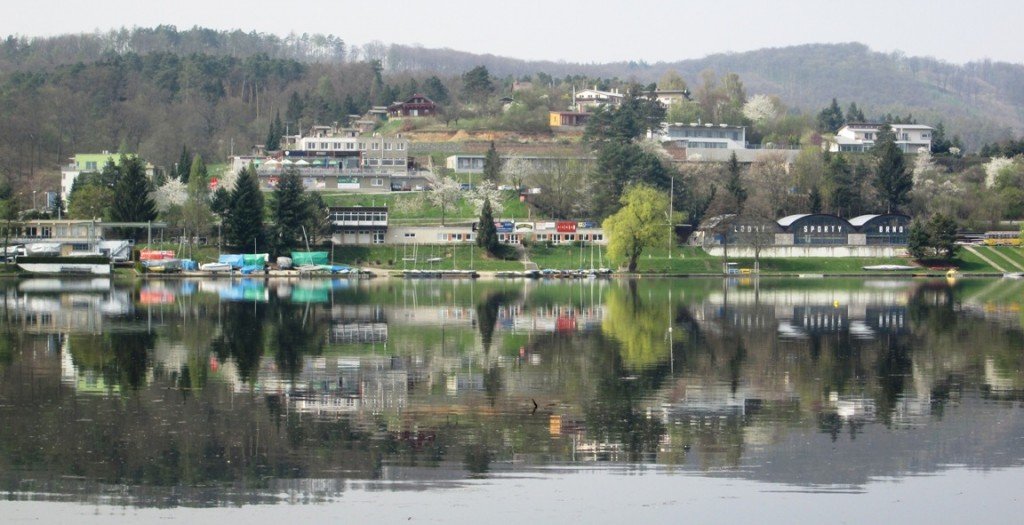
[
  {"x": 171, "y": 194},
  {"x": 444, "y": 192},
  {"x": 761, "y": 108},
  {"x": 994, "y": 168},
  {"x": 517, "y": 170},
  {"x": 484, "y": 191}
]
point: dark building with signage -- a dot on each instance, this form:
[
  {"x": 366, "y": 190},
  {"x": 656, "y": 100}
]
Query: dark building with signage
[
  {"x": 883, "y": 229},
  {"x": 817, "y": 228},
  {"x": 808, "y": 234}
]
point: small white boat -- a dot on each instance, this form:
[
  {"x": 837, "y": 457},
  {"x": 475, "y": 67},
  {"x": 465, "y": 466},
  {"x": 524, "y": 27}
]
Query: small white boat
[
  {"x": 889, "y": 267},
  {"x": 215, "y": 267}
]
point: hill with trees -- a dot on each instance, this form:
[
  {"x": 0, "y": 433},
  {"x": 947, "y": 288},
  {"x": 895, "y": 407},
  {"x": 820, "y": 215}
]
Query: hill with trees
[{"x": 155, "y": 91}]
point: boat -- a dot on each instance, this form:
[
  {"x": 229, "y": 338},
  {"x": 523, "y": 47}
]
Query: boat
[
  {"x": 889, "y": 267},
  {"x": 215, "y": 267},
  {"x": 66, "y": 265}
]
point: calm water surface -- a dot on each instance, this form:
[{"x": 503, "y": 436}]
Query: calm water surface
[{"x": 832, "y": 400}]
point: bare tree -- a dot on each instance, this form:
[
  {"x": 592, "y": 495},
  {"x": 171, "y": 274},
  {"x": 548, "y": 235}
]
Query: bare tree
[
  {"x": 772, "y": 182},
  {"x": 564, "y": 188}
]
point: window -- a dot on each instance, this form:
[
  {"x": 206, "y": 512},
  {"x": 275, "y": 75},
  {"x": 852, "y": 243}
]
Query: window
[
  {"x": 350, "y": 146},
  {"x": 409, "y": 235},
  {"x": 323, "y": 145},
  {"x": 375, "y": 146},
  {"x": 337, "y": 145},
  {"x": 378, "y": 237},
  {"x": 387, "y": 146},
  {"x": 362, "y": 146},
  {"x": 90, "y": 165},
  {"x": 401, "y": 146},
  {"x": 378, "y": 182}
]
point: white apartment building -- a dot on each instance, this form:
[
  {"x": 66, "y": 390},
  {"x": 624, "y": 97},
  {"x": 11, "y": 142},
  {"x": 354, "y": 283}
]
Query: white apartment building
[{"x": 857, "y": 137}]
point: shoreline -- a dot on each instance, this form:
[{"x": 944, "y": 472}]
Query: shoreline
[{"x": 492, "y": 275}]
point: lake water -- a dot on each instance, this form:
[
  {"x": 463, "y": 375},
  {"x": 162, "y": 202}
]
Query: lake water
[{"x": 818, "y": 400}]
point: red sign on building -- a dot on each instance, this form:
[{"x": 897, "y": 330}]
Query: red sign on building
[
  {"x": 213, "y": 183},
  {"x": 565, "y": 226}
]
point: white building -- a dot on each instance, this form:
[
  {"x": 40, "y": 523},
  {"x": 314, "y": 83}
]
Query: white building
[
  {"x": 707, "y": 136},
  {"x": 593, "y": 98},
  {"x": 856, "y": 137}
]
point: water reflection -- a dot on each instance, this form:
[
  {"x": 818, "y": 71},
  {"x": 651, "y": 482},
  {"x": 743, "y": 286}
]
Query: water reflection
[{"x": 230, "y": 391}]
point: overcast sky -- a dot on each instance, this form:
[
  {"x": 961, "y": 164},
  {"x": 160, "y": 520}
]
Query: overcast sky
[{"x": 571, "y": 30}]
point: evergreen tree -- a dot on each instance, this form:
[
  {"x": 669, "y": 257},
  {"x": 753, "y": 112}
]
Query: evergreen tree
[
  {"x": 295, "y": 108},
  {"x": 476, "y": 83},
  {"x": 245, "y": 213},
  {"x": 814, "y": 200},
  {"x": 940, "y": 144},
  {"x": 893, "y": 181},
  {"x": 435, "y": 90},
  {"x": 318, "y": 224},
  {"x": 59, "y": 209},
  {"x": 492, "y": 165},
  {"x": 184, "y": 165},
  {"x": 275, "y": 133},
  {"x": 289, "y": 211},
  {"x": 918, "y": 241},
  {"x": 195, "y": 213},
  {"x": 618, "y": 166},
  {"x": 221, "y": 202},
  {"x": 486, "y": 232},
  {"x": 854, "y": 114},
  {"x": 349, "y": 107},
  {"x": 831, "y": 118},
  {"x": 734, "y": 184},
  {"x": 845, "y": 195},
  {"x": 133, "y": 202},
  {"x": 197, "y": 168}
]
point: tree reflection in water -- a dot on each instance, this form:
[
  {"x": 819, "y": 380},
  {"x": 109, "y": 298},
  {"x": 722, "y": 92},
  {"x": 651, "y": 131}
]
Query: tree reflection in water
[{"x": 365, "y": 381}]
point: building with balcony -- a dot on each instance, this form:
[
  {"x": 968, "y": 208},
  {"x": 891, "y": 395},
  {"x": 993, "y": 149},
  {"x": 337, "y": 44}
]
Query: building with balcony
[
  {"x": 706, "y": 136},
  {"x": 415, "y": 106},
  {"x": 859, "y": 137},
  {"x": 595, "y": 98},
  {"x": 358, "y": 225},
  {"x": 463, "y": 163},
  {"x": 332, "y": 158}
]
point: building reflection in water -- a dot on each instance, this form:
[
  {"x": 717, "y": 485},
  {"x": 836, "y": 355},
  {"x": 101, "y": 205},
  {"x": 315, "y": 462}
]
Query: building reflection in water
[{"x": 702, "y": 375}]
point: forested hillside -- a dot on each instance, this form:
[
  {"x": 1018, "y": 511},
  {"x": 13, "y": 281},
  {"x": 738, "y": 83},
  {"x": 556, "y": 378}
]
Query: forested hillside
[
  {"x": 981, "y": 101},
  {"x": 154, "y": 90}
]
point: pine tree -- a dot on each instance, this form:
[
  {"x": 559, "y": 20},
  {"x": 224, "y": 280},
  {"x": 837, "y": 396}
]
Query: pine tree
[
  {"x": 196, "y": 216},
  {"x": 486, "y": 232},
  {"x": 893, "y": 180},
  {"x": 734, "y": 184},
  {"x": 197, "y": 168},
  {"x": 814, "y": 199},
  {"x": 854, "y": 114},
  {"x": 133, "y": 202},
  {"x": 275, "y": 133},
  {"x": 184, "y": 165},
  {"x": 831, "y": 118},
  {"x": 289, "y": 209},
  {"x": 492, "y": 165},
  {"x": 245, "y": 212}
]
